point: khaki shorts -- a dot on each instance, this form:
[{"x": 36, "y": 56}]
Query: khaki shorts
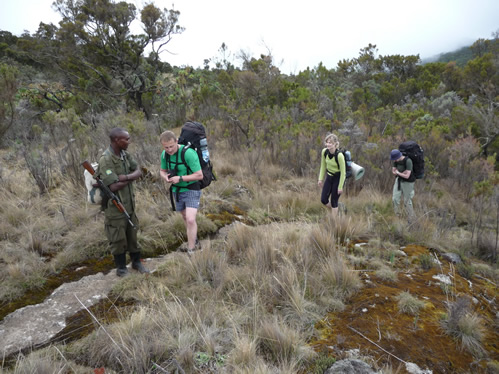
[{"x": 122, "y": 237}]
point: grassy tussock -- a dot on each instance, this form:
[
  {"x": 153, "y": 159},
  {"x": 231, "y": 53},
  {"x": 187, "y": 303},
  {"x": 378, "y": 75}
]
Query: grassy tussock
[
  {"x": 338, "y": 278},
  {"x": 485, "y": 270},
  {"x": 280, "y": 344},
  {"x": 47, "y": 361},
  {"x": 323, "y": 242},
  {"x": 465, "y": 326},
  {"x": 209, "y": 268},
  {"x": 243, "y": 356},
  {"x": 20, "y": 270},
  {"x": 238, "y": 240},
  {"x": 409, "y": 304},
  {"x": 387, "y": 274}
]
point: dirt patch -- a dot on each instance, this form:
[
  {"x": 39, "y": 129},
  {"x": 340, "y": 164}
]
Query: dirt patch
[{"x": 372, "y": 320}]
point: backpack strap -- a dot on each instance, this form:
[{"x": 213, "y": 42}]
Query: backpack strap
[
  {"x": 412, "y": 177},
  {"x": 169, "y": 163},
  {"x": 328, "y": 154},
  {"x": 193, "y": 186},
  {"x": 331, "y": 155},
  {"x": 335, "y": 154},
  {"x": 196, "y": 185},
  {"x": 182, "y": 157}
]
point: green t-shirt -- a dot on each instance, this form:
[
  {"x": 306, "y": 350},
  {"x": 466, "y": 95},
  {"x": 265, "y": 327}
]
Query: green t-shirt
[
  {"x": 110, "y": 166},
  {"x": 191, "y": 159}
]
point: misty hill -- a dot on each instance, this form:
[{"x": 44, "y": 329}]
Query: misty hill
[{"x": 461, "y": 56}]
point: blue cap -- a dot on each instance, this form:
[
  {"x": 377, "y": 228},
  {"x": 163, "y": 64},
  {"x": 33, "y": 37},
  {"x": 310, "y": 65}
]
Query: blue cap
[{"x": 395, "y": 154}]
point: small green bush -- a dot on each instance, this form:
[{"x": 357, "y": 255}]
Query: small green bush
[
  {"x": 465, "y": 270},
  {"x": 426, "y": 261},
  {"x": 322, "y": 363}
]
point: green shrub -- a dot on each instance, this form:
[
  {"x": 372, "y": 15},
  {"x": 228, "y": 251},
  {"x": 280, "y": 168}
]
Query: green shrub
[
  {"x": 465, "y": 270},
  {"x": 426, "y": 261}
]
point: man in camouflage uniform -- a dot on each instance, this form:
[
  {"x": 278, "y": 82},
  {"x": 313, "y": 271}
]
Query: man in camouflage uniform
[{"x": 118, "y": 169}]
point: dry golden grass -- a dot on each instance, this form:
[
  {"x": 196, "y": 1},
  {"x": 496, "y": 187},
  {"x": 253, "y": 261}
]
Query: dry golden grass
[
  {"x": 20, "y": 270},
  {"x": 248, "y": 302},
  {"x": 281, "y": 345},
  {"x": 47, "y": 361},
  {"x": 207, "y": 306},
  {"x": 244, "y": 354},
  {"x": 338, "y": 279}
]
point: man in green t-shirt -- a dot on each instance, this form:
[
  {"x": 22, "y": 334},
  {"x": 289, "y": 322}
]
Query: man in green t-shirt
[
  {"x": 404, "y": 183},
  {"x": 184, "y": 176},
  {"x": 118, "y": 169}
]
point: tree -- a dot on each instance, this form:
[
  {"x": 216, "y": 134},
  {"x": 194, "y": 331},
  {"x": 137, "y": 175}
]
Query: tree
[
  {"x": 480, "y": 47},
  {"x": 100, "y": 55},
  {"x": 481, "y": 76},
  {"x": 8, "y": 90}
]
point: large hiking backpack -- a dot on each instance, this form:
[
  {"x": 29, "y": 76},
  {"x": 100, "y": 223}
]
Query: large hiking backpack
[
  {"x": 348, "y": 160},
  {"x": 414, "y": 151},
  {"x": 193, "y": 135}
]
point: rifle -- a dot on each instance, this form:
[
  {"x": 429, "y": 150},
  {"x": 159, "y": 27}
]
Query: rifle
[{"x": 107, "y": 191}]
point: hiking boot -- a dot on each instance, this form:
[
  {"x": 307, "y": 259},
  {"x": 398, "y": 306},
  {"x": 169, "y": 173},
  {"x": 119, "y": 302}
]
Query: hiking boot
[
  {"x": 120, "y": 262},
  {"x": 122, "y": 272},
  {"x": 137, "y": 264},
  {"x": 197, "y": 246}
]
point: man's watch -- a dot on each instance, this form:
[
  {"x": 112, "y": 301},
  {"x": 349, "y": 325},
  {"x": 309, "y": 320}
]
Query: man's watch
[{"x": 180, "y": 179}]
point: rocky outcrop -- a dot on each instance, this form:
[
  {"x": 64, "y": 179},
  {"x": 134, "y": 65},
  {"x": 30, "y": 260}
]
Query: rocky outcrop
[{"x": 35, "y": 325}]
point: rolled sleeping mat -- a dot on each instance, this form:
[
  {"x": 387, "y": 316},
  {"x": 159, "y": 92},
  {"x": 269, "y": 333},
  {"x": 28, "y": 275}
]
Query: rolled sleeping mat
[
  {"x": 94, "y": 194},
  {"x": 357, "y": 171}
]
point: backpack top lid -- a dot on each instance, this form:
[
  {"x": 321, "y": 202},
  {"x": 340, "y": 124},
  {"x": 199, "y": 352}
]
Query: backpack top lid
[
  {"x": 409, "y": 145},
  {"x": 191, "y": 132}
]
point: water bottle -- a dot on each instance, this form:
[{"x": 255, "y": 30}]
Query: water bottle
[
  {"x": 204, "y": 149},
  {"x": 348, "y": 159}
]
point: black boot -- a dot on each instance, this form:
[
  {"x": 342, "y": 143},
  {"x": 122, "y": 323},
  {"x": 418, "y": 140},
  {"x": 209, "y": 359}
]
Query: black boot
[
  {"x": 137, "y": 264},
  {"x": 120, "y": 261}
]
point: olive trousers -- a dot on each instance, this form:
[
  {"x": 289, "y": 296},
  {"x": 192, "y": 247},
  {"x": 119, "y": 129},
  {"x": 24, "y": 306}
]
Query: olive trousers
[
  {"x": 405, "y": 189},
  {"x": 122, "y": 237}
]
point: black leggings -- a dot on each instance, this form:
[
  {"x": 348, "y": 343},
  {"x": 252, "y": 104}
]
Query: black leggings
[{"x": 330, "y": 188}]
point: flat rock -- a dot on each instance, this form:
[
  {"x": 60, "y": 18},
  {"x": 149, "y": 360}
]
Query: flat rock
[
  {"x": 350, "y": 366},
  {"x": 452, "y": 257},
  {"x": 33, "y": 325}
]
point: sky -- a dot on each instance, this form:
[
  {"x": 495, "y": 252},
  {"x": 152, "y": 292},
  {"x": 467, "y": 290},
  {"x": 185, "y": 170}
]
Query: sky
[{"x": 299, "y": 34}]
